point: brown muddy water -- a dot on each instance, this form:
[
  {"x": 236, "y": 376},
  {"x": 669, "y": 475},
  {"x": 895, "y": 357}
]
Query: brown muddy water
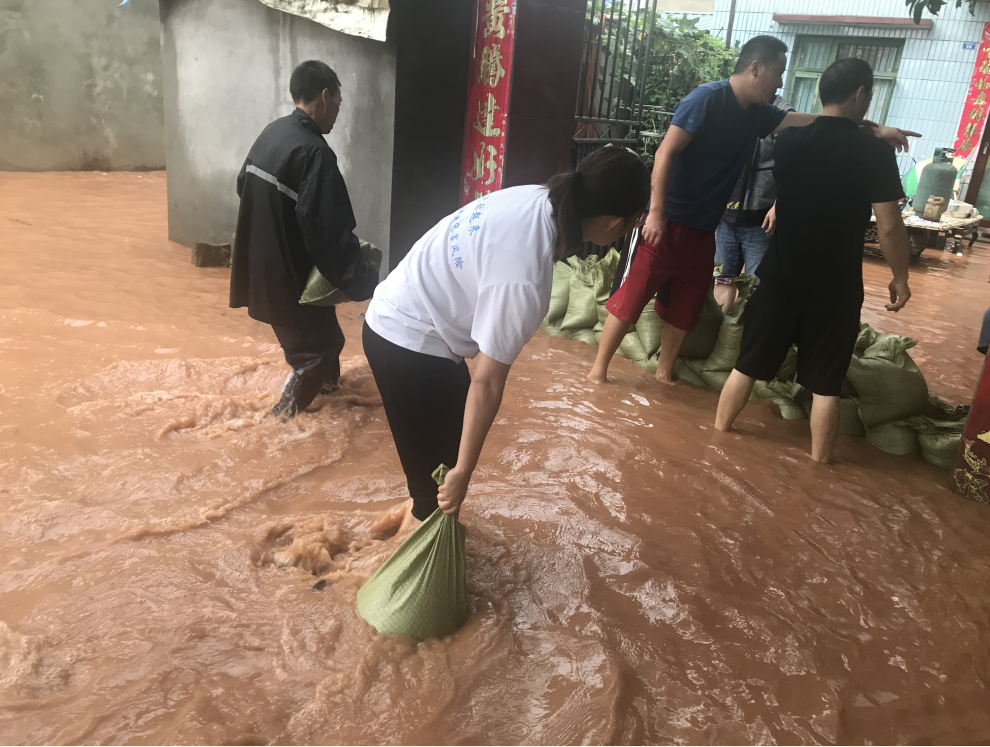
[{"x": 634, "y": 578}]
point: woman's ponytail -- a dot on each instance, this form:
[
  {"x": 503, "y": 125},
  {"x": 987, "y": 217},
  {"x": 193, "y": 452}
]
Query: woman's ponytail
[
  {"x": 610, "y": 181},
  {"x": 565, "y": 196}
]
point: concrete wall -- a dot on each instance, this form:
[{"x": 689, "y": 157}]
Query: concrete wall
[
  {"x": 80, "y": 85},
  {"x": 934, "y": 73},
  {"x": 226, "y": 67}
]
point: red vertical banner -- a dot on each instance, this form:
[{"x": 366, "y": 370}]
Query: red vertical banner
[
  {"x": 974, "y": 114},
  {"x": 488, "y": 99}
]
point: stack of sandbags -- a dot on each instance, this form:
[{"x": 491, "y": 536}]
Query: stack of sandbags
[
  {"x": 940, "y": 431},
  {"x": 577, "y": 300},
  {"x": 890, "y": 390},
  {"x": 714, "y": 370},
  {"x": 884, "y": 396},
  {"x": 850, "y": 423}
]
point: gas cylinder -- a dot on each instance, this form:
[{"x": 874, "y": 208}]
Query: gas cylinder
[{"x": 937, "y": 179}]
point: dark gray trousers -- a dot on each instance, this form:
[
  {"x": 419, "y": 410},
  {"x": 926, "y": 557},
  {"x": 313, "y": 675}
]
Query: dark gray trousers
[{"x": 314, "y": 355}]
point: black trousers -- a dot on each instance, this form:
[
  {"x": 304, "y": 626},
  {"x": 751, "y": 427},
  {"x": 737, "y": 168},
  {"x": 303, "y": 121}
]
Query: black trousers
[
  {"x": 825, "y": 333},
  {"x": 314, "y": 354},
  {"x": 424, "y": 398}
]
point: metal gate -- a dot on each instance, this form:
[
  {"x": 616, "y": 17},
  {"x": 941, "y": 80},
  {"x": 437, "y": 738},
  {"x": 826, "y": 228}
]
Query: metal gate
[{"x": 618, "y": 39}]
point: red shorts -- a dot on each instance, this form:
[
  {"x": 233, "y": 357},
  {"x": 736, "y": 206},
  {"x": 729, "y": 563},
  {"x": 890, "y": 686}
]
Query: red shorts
[{"x": 678, "y": 271}]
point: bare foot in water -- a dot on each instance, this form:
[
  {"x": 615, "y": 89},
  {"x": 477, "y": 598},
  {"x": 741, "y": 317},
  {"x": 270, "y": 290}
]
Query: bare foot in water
[
  {"x": 392, "y": 521},
  {"x": 664, "y": 378},
  {"x": 409, "y": 522},
  {"x": 595, "y": 377}
]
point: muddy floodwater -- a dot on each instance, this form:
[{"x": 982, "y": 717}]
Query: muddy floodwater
[{"x": 634, "y": 578}]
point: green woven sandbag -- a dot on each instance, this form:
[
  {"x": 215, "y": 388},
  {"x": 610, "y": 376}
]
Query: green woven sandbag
[
  {"x": 888, "y": 383},
  {"x": 848, "y": 390},
  {"x": 940, "y": 430},
  {"x": 320, "y": 292},
  {"x": 700, "y": 342},
  {"x": 603, "y": 288},
  {"x": 649, "y": 327},
  {"x": 587, "y": 336},
  {"x": 788, "y": 369},
  {"x": 715, "y": 379},
  {"x": 582, "y": 306},
  {"x": 726, "y": 350},
  {"x": 632, "y": 347},
  {"x": 551, "y": 329},
  {"x": 421, "y": 591},
  {"x": 850, "y": 423},
  {"x": 898, "y": 438},
  {"x": 745, "y": 285},
  {"x": 936, "y": 409},
  {"x": 684, "y": 372},
  {"x": 560, "y": 292},
  {"x": 729, "y": 338},
  {"x": 609, "y": 264},
  {"x": 939, "y": 441},
  {"x": 784, "y": 394}
]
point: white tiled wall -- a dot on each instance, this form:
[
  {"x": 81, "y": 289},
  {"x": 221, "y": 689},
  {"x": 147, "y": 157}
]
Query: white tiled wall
[{"x": 934, "y": 71}]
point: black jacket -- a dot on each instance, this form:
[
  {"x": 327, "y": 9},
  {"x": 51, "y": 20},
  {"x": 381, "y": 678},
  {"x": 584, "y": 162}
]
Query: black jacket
[{"x": 295, "y": 213}]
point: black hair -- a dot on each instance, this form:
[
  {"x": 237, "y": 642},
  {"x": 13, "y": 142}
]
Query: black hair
[
  {"x": 843, "y": 78},
  {"x": 309, "y": 80},
  {"x": 610, "y": 181},
  {"x": 764, "y": 48}
]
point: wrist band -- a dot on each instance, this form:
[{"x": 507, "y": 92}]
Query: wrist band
[{"x": 724, "y": 280}]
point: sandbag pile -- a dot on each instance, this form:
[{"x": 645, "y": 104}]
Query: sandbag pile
[
  {"x": 577, "y": 311},
  {"x": 884, "y": 397}
]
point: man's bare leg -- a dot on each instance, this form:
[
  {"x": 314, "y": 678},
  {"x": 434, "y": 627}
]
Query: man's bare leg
[
  {"x": 671, "y": 339},
  {"x": 726, "y": 295},
  {"x": 824, "y": 427},
  {"x": 612, "y": 333},
  {"x": 735, "y": 395}
]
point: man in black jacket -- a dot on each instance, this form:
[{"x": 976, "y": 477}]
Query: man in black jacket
[{"x": 295, "y": 214}]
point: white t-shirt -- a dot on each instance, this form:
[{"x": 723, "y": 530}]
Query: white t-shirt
[{"x": 479, "y": 280}]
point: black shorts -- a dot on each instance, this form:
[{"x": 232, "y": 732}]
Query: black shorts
[
  {"x": 824, "y": 330},
  {"x": 424, "y": 398}
]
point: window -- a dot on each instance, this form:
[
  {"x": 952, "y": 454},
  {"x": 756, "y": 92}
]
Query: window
[{"x": 812, "y": 54}]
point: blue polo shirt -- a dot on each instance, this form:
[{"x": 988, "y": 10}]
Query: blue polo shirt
[{"x": 707, "y": 170}]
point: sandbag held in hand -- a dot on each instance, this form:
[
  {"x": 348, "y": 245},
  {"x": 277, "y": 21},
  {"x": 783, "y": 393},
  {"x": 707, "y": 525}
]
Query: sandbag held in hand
[
  {"x": 421, "y": 591},
  {"x": 321, "y": 292}
]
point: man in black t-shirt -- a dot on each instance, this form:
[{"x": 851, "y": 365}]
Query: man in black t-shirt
[{"x": 828, "y": 175}]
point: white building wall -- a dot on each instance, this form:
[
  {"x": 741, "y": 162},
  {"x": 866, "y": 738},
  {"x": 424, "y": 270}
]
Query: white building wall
[{"x": 934, "y": 73}]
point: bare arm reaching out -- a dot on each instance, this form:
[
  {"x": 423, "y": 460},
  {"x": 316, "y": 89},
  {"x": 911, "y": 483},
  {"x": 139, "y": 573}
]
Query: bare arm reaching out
[
  {"x": 483, "y": 400},
  {"x": 895, "y": 249},
  {"x": 673, "y": 142},
  {"x": 896, "y": 137}
]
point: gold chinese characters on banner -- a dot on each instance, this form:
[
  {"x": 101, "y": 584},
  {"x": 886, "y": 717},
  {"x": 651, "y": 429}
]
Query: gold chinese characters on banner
[
  {"x": 974, "y": 113},
  {"x": 488, "y": 99}
]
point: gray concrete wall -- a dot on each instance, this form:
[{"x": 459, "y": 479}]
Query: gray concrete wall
[
  {"x": 80, "y": 85},
  {"x": 226, "y": 67}
]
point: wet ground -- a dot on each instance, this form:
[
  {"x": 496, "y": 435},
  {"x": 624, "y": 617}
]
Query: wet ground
[{"x": 635, "y": 577}]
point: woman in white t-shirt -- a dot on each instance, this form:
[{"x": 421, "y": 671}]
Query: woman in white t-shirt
[{"x": 477, "y": 286}]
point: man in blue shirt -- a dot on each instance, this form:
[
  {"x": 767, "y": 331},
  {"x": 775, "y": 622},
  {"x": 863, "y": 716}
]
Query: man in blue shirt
[{"x": 709, "y": 142}]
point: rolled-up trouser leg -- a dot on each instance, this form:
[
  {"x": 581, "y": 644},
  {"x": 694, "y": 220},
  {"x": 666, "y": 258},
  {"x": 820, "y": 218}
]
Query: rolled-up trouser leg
[{"x": 314, "y": 355}]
